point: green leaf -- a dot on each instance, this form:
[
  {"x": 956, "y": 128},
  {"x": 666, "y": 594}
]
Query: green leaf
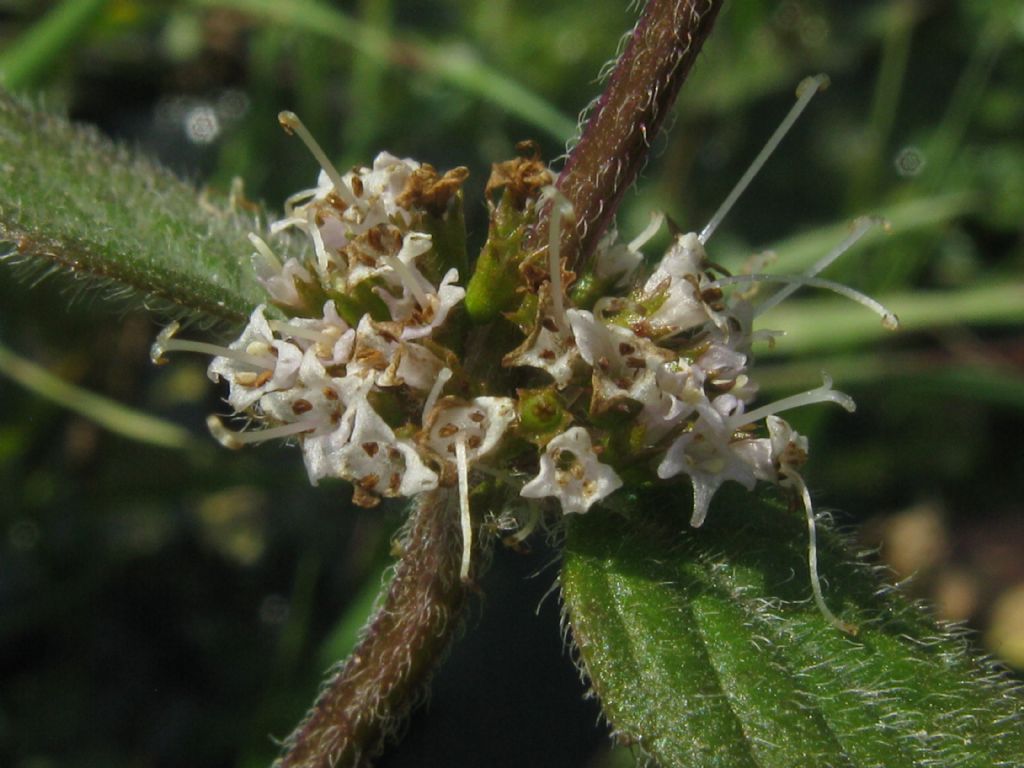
[
  {"x": 72, "y": 201},
  {"x": 25, "y": 62},
  {"x": 705, "y": 649}
]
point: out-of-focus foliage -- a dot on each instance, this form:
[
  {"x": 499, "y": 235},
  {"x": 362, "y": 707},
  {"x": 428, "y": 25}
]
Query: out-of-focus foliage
[{"x": 176, "y": 607}]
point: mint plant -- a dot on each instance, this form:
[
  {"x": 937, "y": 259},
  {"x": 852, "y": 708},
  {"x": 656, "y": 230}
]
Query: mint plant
[{"x": 547, "y": 384}]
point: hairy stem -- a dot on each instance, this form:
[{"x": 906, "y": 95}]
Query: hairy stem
[
  {"x": 617, "y": 137},
  {"x": 368, "y": 695}
]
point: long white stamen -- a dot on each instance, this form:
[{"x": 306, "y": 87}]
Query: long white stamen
[
  {"x": 291, "y": 124},
  {"x": 560, "y": 206},
  {"x": 638, "y": 242},
  {"x": 165, "y": 342},
  {"x": 318, "y": 242},
  {"x": 328, "y": 334},
  {"x": 861, "y": 227},
  {"x": 889, "y": 319},
  {"x": 464, "y": 518},
  {"x": 235, "y": 440},
  {"x": 805, "y": 92},
  {"x": 264, "y": 250},
  {"x": 409, "y": 281},
  {"x": 823, "y": 394},
  {"x": 435, "y": 392},
  {"x": 812, "y": 554}
]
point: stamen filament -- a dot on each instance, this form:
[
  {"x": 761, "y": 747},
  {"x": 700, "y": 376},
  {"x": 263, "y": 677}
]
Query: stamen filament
[
  {"x": 265, "y": 251},
  {"x": 812, "y": 555},
  {"x": 465, "y": 520},
  {"x": 409, "y": 281},
  {"x": 889, "y": 319},
  {"x": 560, "y": 206},
  {"x": 291, "y": 124},
  {"x": 318, "y": 242},
  {"x": 861, "y": 227},
  {"x": 298, "y": 332},
  {"x": 823, "y": 394},
  {"x": 165, "y": 342},
  {"x": 805, "y": 92},
  {"x": 638, "y": 242},
  {"x": 524, "y": 533},
  {"x": 235, "y": 440},
  {"x": 435, "y": 392}
]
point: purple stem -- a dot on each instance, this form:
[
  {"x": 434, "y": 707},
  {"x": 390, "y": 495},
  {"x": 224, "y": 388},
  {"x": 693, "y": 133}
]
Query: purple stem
[
  {"x": 617, "y": 137},
  {"x": 368, "y": 696}
]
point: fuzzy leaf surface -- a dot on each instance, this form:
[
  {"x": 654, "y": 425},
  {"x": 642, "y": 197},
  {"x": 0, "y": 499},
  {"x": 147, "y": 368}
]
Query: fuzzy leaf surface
[
  {"x": 705, "y": 649},
  {"x": 72, "y": 201}
]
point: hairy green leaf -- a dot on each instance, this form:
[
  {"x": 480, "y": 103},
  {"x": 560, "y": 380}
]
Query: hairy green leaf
[
  {"x": 72, "y": 201},
  {"x": 705, "y": 649}
]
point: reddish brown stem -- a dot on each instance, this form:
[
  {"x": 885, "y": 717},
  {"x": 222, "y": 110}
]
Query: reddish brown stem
[
  {"x": 366, "y": 699},
  {"x": 617, "y": 137}
]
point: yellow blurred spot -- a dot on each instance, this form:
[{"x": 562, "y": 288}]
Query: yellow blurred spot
[{"x": 1005, "y": 635}]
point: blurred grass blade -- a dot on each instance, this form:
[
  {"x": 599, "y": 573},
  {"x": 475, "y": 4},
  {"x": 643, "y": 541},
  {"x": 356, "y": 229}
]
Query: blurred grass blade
[
  {"x": 455, "y": 65},
  {"x": 26, "y": 61},
  {"x": 922, "y": 213},
  {"x": 72, "y": 201},
  {"x": 829, "y": 325},
  {"x": 705, "y": 650},
  {"x": 109, "y": 414}
]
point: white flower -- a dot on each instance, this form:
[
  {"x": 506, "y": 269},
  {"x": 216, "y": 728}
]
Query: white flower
[
  {"x": 570, "y": 471},
  {"x": 255, "y": 363},
  {"x": 710, "y": 455},
  {"x": 379, "y": 464},
  {"x": 385, "y": 359},
  {"x": 280, "y": 281},
  {"x": 421, "y": 307},
  {"x": 330, "y": 336},
  {"x": 480, "y": 422},
  {"x": 679, "y": 280},
  {"x": 788, "y": 448},
  {"x": 548, "y": 347}
]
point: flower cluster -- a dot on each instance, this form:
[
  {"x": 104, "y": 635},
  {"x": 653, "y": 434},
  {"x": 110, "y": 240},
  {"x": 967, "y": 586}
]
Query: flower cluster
[{"x": 399, "y": 372}]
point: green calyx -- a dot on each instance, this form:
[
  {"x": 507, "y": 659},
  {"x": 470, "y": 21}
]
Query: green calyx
[{"x": 494, "y": 286}]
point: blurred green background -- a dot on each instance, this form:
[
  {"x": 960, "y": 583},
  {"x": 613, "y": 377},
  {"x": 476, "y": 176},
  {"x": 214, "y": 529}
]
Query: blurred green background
[{"x": 176, "y": 606}]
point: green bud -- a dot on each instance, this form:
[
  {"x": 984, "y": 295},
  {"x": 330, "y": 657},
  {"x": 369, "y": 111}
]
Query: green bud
[{"x": 541, "y": 415}]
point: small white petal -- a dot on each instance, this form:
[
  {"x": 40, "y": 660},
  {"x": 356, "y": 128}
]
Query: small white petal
[{"x": 571, "y": 472}]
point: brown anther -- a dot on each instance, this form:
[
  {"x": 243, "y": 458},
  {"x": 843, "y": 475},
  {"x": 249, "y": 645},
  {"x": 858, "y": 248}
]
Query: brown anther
[
  {"x": 369, "y": 482},
  {"x": 395, "y": 482},
  {"x": 263, "y": 378},
  {"x": 603, "y": 364},
  {"x": 474, "y": 441},
  {"x": 363, "y": 499},
  {"x": 636, "y": 362},
  {"x": 477, "y": 416},
  {"x": 357, "y": 186},
  {"x": 336, "y": 202},
  {"x": 548, "y": 354},
  {"x": 371, "y": 449},
  {"x": 330, "y": 394},
  {"x": 448, "y": 430},
  {"x": 394, "y": 454},
  {"x": 301, "y": 406},
  {"x": 626, "y": 349}
]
